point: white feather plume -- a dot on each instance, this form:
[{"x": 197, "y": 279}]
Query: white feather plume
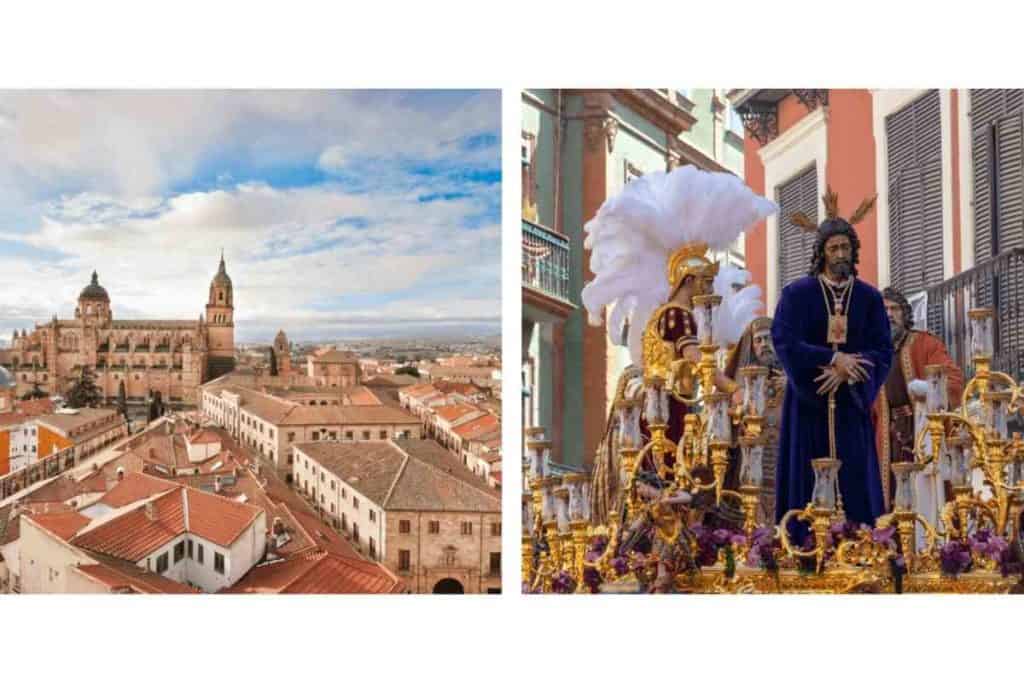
[
  {"x": 738, "y": 308},
  {"x": 634, "y": 232}
]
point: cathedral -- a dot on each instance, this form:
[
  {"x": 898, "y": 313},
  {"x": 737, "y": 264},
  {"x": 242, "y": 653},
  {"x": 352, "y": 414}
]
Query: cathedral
[{"x": 172, "y": 357}]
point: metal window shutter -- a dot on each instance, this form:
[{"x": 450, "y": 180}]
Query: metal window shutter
[
  {"x": 800, "y": 193},
  {"x": 997, "y": 139},
  {"x": 914, "y": 140}
]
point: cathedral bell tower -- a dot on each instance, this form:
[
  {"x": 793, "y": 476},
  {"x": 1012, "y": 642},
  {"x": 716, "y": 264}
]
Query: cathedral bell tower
[{"x": 220, "y": 323}]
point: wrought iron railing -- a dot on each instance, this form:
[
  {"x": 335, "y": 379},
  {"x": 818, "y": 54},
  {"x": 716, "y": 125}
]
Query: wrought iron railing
[
  {"x": 997, "y": 283},
  {"x": 545, "y": 261}
]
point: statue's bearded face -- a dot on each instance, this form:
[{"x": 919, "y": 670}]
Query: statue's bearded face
[
  {"x": 839, "y": 256},
  {"x": 763, "y": 350},
  {"x": 897, "y": 322}
]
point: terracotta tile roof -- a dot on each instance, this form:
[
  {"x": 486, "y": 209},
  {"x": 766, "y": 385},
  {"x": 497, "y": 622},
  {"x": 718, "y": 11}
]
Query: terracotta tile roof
[
  {"x": 217, "y": 519},
  {"x": 446, "y": 387},
  {"x": 65, "y": 488},
  {"x": 204, "y": 436},
  {"x": 64, "y": 525},
  {"x": 133, "y": 535},
  {"x": 371, "y": 467},
  {"x": 319, "y": 572},
  {"x": 84, "y": 417},
  {"x": 411, "y": 474},
  {"x": 135, "y": 487},
  {"x": 361, "y": 396},
  {"x": 124, "y": 577},
  {"x": 478, "y": 427},
  {"x": 391, "y": 380},
  {"x": 26, "y": 410},
  {"x": 453, "y": 413},
  {"x": 418, "y": 390},
  {"x": 445, "y": 371},
  {"x": 282, "y": 412}
]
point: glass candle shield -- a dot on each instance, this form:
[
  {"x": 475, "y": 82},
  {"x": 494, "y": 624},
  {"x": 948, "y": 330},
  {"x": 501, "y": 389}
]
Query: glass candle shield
[
  {"x": 629, "y": 424},
  {"x": 937, "y": 399},
  {"x": 903, "y": 500},
  {"x": 981, "y": 332},
  {"x": 527, "y": 513},
  {"x": 826, "y": 473},
  {"x": 719, "y": 421},
  {"x": 547, "y": 508},
  {"x": 755, "y": 382},
  {"x": 752, "y": 465},
  {"x": 562, "y": 508},
  {"x": 656, "y": 399},
  {"x": 536, "y": 454},
  {"x": 997, "y": 404},
  {"x": 959, "y": 463},
  {"x": 575, "y": 486}
]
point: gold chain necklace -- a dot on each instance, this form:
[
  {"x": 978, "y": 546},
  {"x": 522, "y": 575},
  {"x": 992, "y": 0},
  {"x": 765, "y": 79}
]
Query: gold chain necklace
[{"x": 837, "y": 317}]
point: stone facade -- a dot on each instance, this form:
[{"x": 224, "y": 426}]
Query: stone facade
[{"x": 172, "y": 357}]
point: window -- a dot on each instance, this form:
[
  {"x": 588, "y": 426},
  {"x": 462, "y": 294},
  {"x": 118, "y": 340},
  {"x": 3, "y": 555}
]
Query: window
[
  {"x": 404, "y": 560},
  {"x": 344, "y": 522},
  {"x": 316, "y": 436},
  {"x": 373, "y": 516},
  {"x": 366, "y": 435},
  {"x": 495, "y": 528},
  {"x": 914, "y": 155},
  {"x": 355, "y": 532},
  {"x": 467, "y": 528},
  {"x": 218, "y": 563},
  {"x": 344, "y": 493},
  {"x": 179, "y": 552},
  {"x": 434, "y": 527},
  {"x": 332, "y": 484},
  {"x": 334, "y": 436},
  {"x": 495, "y": 563},
  {"x": 383, "y": 434},
  {"x": 332, "y": 508},
  {"x": 404, "y": 527},
  {"x": 373, "y": 549},
  {"x": 291, "y": 437},
  {"x": 799, "y": 193},
  {"x": 199, "y": 553},
  {"x": 355, "y": 502},
  {"x": 322, "y": 477},
  {"x": 162, "y": 563},
  {"x": 349, "y": 436},
  {"x": 322, "y": 499},
  {"x": 190, "y": 547}
]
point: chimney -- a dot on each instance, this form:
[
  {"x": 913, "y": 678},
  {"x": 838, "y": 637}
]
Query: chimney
[
  {"x": 216, "y": 484},
  {"x": 120, "y": 474},
  {"x": 151, "y": 511}
]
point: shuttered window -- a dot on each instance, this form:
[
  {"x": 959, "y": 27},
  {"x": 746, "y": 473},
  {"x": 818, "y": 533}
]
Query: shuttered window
[
  {"x": 796, "y": 247},
  {"x": 997, "y": 151},
  {"x": 914, "y": 141}
]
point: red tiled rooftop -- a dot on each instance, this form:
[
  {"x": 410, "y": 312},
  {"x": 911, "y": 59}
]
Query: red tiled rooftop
[
  {"x": 134, "y": 535},
  {"x": 217, "y": 519},
  {"x": 418, "y": 390},
  {"x": 319, "y": 572},
  {"x": 126, "y": 580},
  {"x": 451, "y": 413},
  {"x": 478, "y": 427},
  {"x": 135, "y": 487},
  {"x": 64, "y": 525},
  {"x": 204, "y": 436}
]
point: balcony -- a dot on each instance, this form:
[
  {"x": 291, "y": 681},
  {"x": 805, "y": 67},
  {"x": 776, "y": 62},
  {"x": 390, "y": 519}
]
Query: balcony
[
  {"x": 545, "y": 268},
  {"x": 998, "y": 284}
]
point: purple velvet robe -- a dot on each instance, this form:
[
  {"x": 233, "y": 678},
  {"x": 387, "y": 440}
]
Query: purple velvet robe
[{"x": 799, "y": 332}]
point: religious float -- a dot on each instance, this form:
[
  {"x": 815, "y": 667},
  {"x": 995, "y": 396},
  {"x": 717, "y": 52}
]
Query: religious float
[{"x": 674, "y": 522}]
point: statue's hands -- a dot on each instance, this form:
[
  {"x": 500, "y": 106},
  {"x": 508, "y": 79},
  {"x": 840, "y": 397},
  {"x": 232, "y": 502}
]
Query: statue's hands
[
  {"x": 853, "y": 366},
  {"x": 918, "y": 388},
  {"x": 830, "y": 378}
]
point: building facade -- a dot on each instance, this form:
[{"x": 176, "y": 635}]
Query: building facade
[
  {"x": 172, "y": 357},
  {"x": 578, "y": 148},
  {"x": 406, "y": 504},
  {"x": 946, "y": 166}
]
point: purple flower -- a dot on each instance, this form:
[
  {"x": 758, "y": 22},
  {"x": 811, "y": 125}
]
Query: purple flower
[
  {"x": 599, "y": 544},
  {"x": 592, "y": 579},
  {"x": 620, "y": 565},
  {"x": 884, "y": 536},
  {"x": 563, "y": 583},
  {"x": 721, "y": 537},
  {"x": 954, "y": 558}
]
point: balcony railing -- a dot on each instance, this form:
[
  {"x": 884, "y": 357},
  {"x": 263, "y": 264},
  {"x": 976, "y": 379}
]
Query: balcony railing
[
  {"x": 545, "y": 261},
  {"x": 998, "y": 284}
]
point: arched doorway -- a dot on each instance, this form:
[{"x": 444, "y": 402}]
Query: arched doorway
[{"x": 449, "y": 587}]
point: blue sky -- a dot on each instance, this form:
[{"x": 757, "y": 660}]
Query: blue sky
[{"x": 341, "y": 213}]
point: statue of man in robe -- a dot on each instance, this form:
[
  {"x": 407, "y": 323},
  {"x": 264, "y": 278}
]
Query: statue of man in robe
[{"x": 832, "y": 337}]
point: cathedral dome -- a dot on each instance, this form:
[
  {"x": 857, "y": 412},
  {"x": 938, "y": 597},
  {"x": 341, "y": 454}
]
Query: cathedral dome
[
  {"x": 94, "y": 292},
  {"x": 7, "y": 380}
]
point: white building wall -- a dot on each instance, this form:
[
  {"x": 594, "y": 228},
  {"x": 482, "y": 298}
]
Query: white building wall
[{"x": 44, "y": 559}]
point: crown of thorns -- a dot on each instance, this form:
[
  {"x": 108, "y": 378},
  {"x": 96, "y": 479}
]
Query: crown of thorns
[{"x": 831, "y": 200}]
